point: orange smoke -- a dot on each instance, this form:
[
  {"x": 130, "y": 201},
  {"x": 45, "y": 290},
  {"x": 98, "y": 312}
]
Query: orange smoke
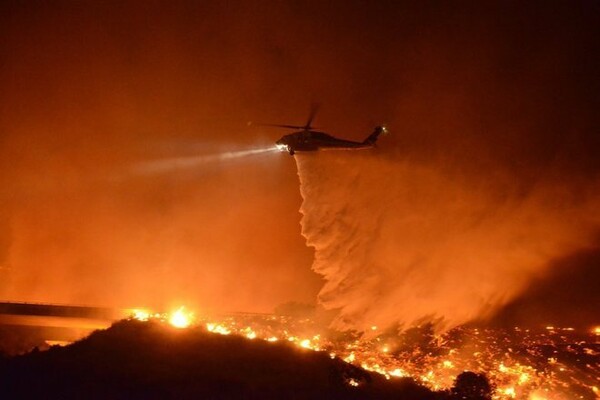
[{"x": 400, "y": 242}]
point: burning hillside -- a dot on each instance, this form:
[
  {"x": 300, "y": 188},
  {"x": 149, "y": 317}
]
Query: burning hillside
[
  {"x": 257, "y": 356},
  {"x": 129, "y": 176},
  {"x": 148, "y": 360},
  {"x": 550, "y": 363}
]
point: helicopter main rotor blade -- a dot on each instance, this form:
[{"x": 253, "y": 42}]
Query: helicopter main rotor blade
[
  {"x": 283, "y": 126},
  {"x": 314, "y": 108}
]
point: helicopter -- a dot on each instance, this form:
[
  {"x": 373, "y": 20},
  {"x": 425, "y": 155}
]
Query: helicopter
[{"x": 307, "y": 139}]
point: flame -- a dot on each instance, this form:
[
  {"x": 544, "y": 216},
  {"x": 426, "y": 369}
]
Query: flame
[
  {"x": 59, "y": 343},
  {"x": 249, "y": 333},
  {"x": 523, "y": 378},
  {"x": 399, "y": 373},
  {"x": 353, "y": 382},
  {"x": 510, "y": 392},
  {"x": 216, "y": 328},
  {"x": 180, "y": 318},
  {"x": 140, "y": 314},
  {"x": 520, "y": 363},
  {"x": 538, "y": 396}
]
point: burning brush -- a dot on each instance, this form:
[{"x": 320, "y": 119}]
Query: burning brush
[{"x": 551, "y": 363}]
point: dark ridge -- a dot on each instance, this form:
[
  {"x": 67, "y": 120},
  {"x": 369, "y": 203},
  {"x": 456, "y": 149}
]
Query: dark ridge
[{"x": 149, "y": 360}]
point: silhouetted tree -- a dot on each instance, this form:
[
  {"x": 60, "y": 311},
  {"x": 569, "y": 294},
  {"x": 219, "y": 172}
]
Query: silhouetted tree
[{"x": 471, "y": 386}]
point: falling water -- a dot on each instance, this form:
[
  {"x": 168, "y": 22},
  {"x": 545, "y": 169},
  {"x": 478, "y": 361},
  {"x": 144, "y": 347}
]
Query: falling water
[{"x": 403, "y": 243}]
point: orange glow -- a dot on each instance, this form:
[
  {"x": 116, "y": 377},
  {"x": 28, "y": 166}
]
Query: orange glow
[
  {"x": 141, "y": 314},
  {"x": 514, "y": 377},
  {"x": 398, "y": 373},
  {"x": 181, "y": 318},
  {"x": 538, "y": 396},
  {"x": 217, "y": 328},
  {"x": 478, "y": 216},
  {"x": 60, "y": 343},
  {"x": 248, "y": 333},
  {"x": 353, "y": 382},
  {"x": 510, "y": 392}
]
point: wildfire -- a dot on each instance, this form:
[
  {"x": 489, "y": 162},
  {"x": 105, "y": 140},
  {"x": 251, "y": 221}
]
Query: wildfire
[
  {"x": 217, "y": 328},
  {"x": 353, "y": 382},
  {"x": 552, "y": 363},
  {"x": 181, "y": 318},
  {"x": 140, "y": 314}
]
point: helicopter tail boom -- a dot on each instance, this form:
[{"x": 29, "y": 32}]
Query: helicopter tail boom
[{"x": 372, "y": 138}]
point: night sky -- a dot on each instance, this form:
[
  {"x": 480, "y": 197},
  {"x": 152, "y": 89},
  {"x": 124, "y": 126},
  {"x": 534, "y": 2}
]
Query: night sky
[{"x": 91, "y": 90}]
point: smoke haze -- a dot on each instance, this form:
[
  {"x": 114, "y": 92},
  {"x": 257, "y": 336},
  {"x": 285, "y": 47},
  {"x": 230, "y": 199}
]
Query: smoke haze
[
  {"x": 400, "y": 242},
  {"x": 116, "y": 119}
]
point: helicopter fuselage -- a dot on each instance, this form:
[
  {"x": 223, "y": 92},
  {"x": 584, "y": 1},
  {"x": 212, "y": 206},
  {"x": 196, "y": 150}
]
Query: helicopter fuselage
[
  {"x": 313, "y": 141},
  {"x": 309, "y": 140}
]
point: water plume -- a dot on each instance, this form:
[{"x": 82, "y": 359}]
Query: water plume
[{"x": 400, "y": 242}]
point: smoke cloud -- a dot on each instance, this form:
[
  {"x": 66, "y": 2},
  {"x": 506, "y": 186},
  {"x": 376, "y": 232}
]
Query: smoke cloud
[
  {"x": 404, "y": 242},
  {"x": 123, "y": 125}
]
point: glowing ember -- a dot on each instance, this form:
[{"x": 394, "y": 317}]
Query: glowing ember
[
  {"x": 59, "y": 343},
  {"x": 216, "y": 328},
  {"x": 510, "y": 392},
  {"x": 181, "y": 318},
  {"x": 350, "y": 358},
  {"x": 249, "y": 333},
  {"x": 353, "y": 382},
  {"x": 551, "y": 363},
  {"x": 140, "y": 314},
  {"x": 398, "y": 373}
]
